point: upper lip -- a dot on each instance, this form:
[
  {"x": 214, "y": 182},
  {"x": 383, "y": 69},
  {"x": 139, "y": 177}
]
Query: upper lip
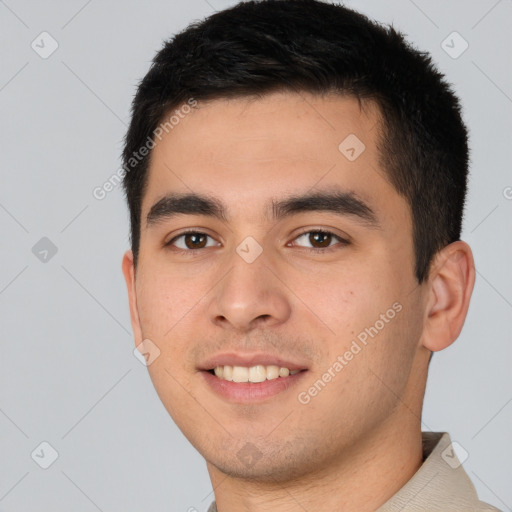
[{"x": 249, "y": 359}]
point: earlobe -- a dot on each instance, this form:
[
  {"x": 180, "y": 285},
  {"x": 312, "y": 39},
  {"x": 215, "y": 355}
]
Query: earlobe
[
  {"x": 129, "y": 276},
  {"x": 451, "y": 283}
]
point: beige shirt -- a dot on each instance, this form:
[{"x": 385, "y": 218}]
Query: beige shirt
[{"x": 439, "y": 485}]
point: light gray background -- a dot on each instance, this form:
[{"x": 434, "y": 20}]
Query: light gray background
[{"x": 67, "y": 372}]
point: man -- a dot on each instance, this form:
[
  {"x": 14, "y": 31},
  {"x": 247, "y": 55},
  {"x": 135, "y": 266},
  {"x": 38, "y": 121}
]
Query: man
[{"x": 296, "y": 177}]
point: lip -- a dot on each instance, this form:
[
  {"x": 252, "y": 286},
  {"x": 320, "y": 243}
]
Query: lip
[
  {"x": 248, "y": 360},
  {"x": 250, "y": 392}
]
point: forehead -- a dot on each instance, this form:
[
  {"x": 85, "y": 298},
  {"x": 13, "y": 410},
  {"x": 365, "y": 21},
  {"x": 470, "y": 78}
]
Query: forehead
[{"x": 246, "y": 151}]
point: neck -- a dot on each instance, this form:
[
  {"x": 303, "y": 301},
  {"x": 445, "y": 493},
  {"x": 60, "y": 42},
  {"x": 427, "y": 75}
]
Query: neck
[{"x": 362, "y": 478}]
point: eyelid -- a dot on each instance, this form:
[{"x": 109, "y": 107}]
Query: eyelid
[
  {"x": 199, "y": 231},
  {"x": 343, "y": 240}
]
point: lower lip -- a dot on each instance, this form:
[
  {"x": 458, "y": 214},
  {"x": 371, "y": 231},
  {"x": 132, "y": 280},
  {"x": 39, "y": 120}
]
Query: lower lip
[{"x": 250, "y": 392}]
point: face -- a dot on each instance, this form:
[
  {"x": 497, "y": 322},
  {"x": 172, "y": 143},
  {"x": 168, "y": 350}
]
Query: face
[{"x": 273, "y": 249}]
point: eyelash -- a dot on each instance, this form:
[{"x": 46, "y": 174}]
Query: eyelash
[
  {"x": 341, "y": 241},
  {"x": 191, "y": 252}
]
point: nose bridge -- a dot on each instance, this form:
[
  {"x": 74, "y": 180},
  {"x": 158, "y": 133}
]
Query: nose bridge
[{"x": 249, "y": 293}]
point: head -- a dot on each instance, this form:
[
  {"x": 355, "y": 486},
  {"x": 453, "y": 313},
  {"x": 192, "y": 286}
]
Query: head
[{"x": 333, "y": 153}]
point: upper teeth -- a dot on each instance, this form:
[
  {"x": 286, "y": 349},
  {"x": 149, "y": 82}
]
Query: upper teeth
[{"x": 257, "y": 373}]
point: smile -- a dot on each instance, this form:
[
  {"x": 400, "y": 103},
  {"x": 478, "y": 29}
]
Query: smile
[{"x": 255, "y": 374}]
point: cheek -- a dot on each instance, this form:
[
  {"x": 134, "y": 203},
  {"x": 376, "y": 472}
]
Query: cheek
[
  {"x": 347, "y": 300},
  {"x": 370, "y": 319},
  {"x": 169, "y": 306},
  {"x": 370, "y": 357},
  {"x": 156, "y": 306},
  {"x": 164, "y": 300},
  {"x": 390, "y": 345}
]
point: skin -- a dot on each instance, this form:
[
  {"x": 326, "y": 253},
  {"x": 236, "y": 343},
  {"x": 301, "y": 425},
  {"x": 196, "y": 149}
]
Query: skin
[{"x": 358, "y": 441}]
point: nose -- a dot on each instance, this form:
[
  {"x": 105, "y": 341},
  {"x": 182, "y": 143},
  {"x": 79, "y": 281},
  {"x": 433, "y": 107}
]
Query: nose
[{"x": 249, "y": 296}]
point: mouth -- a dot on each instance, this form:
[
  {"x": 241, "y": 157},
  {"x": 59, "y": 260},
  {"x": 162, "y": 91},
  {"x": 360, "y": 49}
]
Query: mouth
[
  {"x": 247, "y": 378},
  {"x": 254, "y": 374},
  {"x": 239, "y": 378}
]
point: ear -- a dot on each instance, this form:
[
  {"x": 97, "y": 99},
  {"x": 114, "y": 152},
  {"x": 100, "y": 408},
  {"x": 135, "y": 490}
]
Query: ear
[
  {"x": 129, "y": 276},
  {"x": 450, "y": 282}
]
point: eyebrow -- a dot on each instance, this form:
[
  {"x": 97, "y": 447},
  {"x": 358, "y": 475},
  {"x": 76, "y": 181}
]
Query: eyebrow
[{"x": 339, "y": 202}]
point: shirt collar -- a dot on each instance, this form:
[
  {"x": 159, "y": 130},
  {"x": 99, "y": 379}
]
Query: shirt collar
[{"x": 440, "y": 484}]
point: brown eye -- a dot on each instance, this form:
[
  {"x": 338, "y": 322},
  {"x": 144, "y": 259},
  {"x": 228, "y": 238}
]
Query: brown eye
[
  {"x": 195, "y": 240},
  {"x": 191, "y": 240},
  {"x": 320, "y": 239}
]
